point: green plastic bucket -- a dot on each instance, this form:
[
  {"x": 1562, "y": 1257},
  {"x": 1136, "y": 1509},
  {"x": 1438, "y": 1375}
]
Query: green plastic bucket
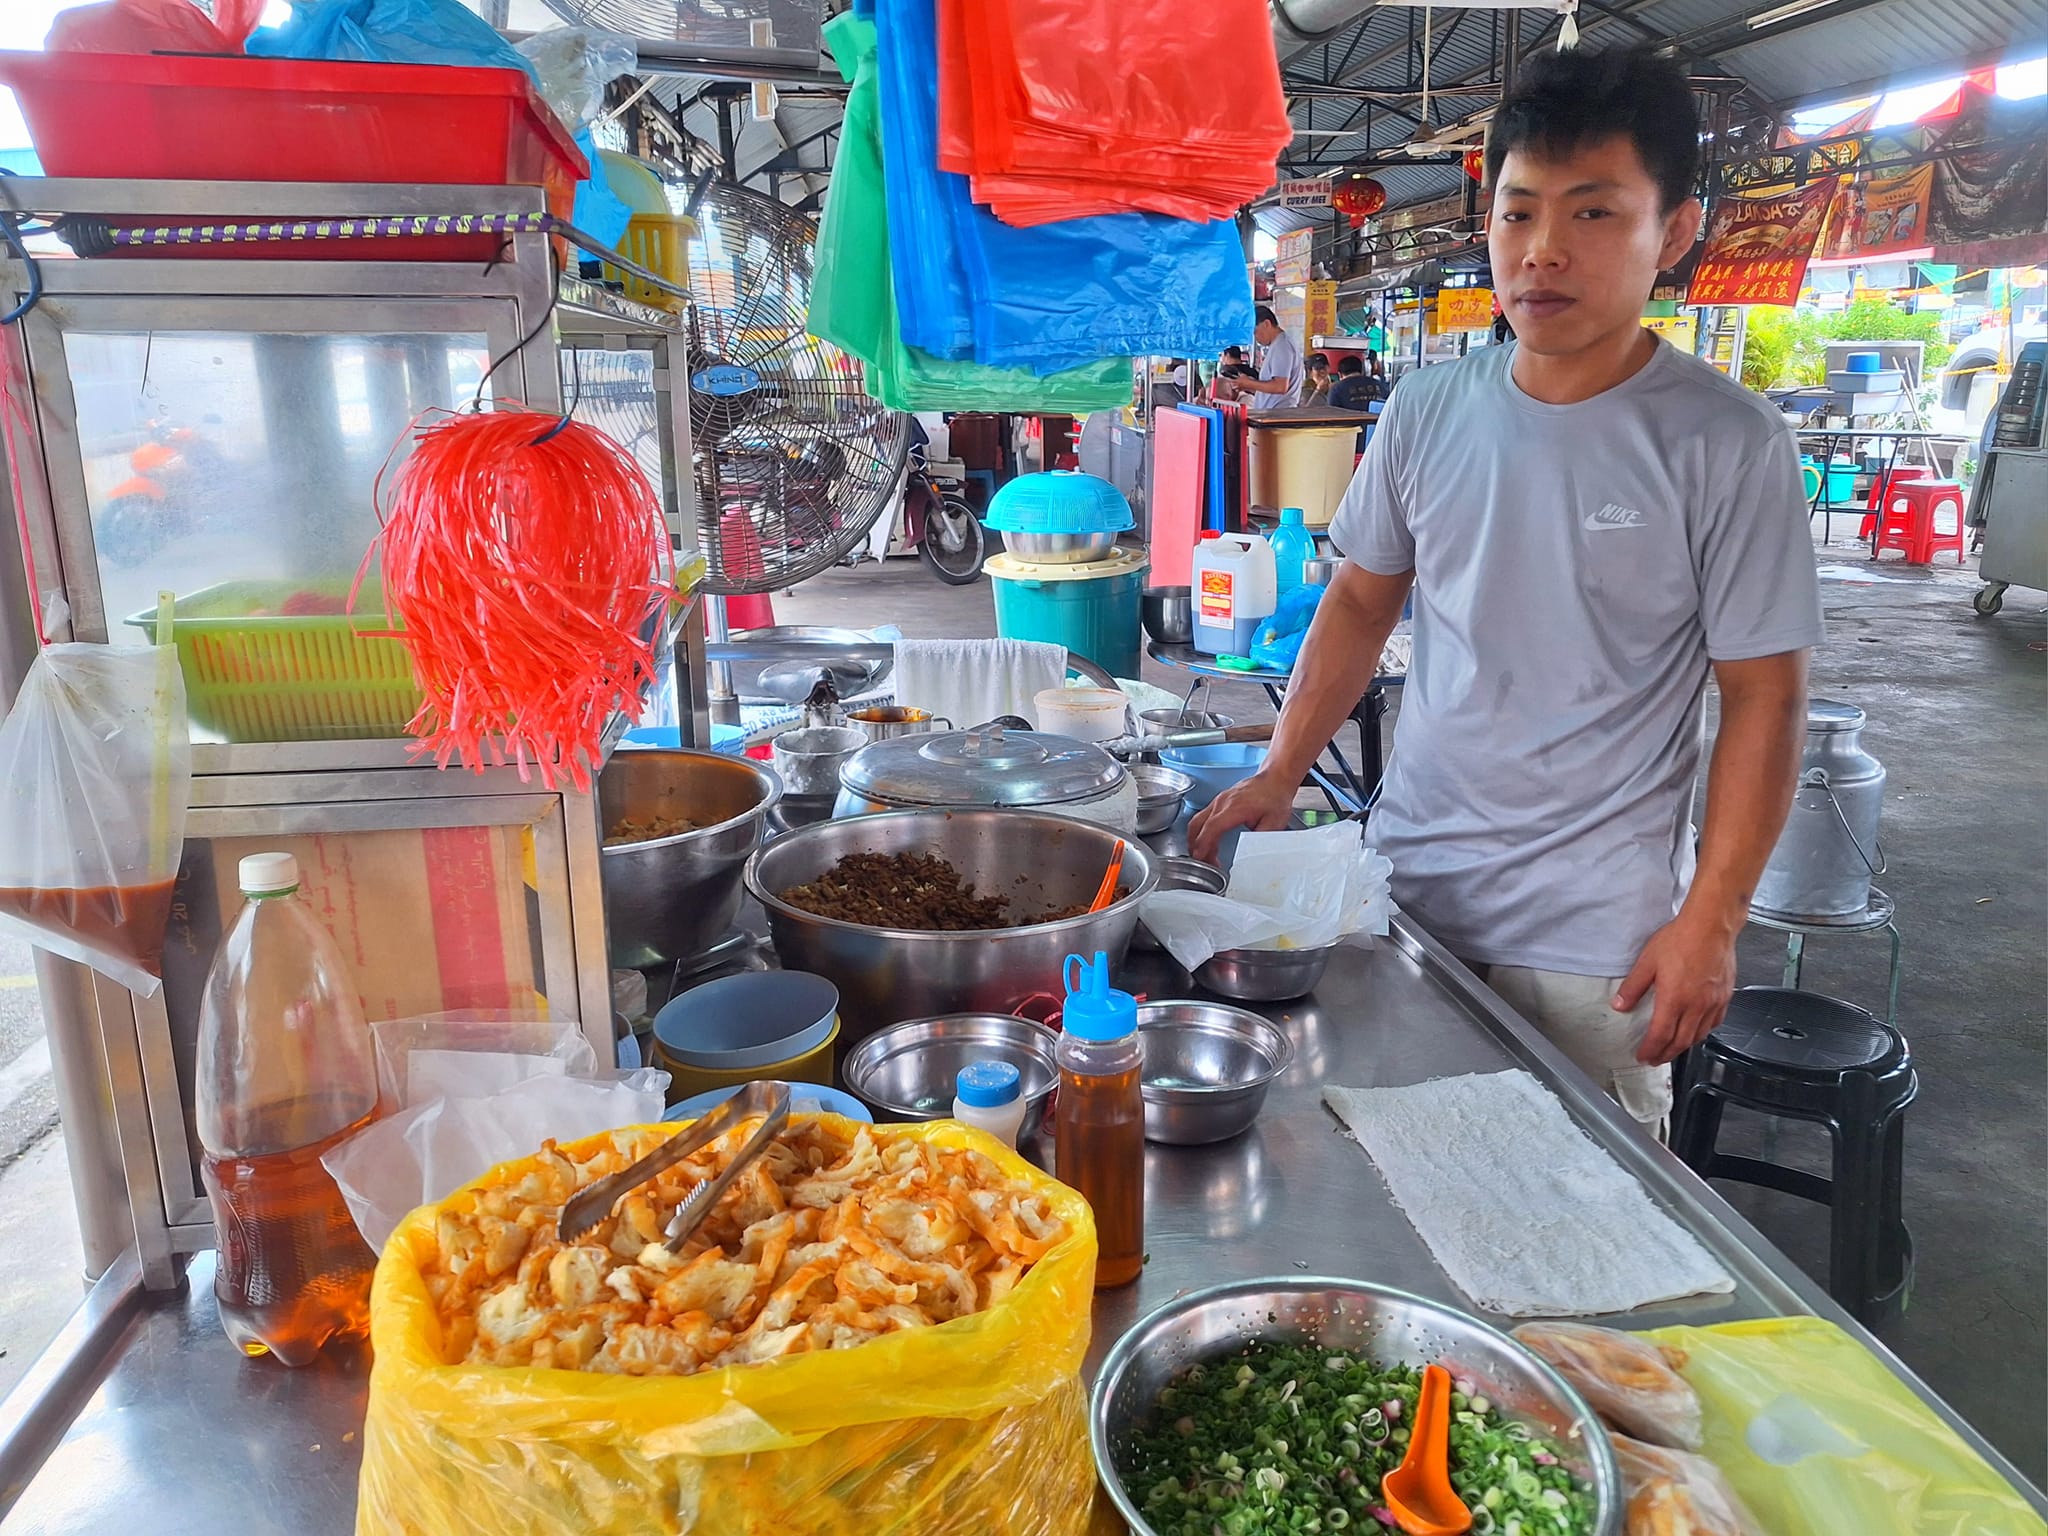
[{"x": 1090, "y": 609}]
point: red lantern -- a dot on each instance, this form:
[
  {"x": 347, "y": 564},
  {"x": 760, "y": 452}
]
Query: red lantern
[
  {"x": 1475, "y": 162},
  {"x": 1359, "y": 200}
]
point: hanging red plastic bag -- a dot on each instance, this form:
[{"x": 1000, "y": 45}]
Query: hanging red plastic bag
[
  {"x": 152, "y": 26},
  {"x": 95, "y": 777}
]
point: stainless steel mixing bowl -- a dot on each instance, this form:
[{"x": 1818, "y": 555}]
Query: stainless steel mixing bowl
[
  {"x": 1207, "y": 1068},
  {"x": 672, "y": 898},
  {"x": 885, "y": 975},
  {"x": 1264, "y": 975},
  {"x": 1387, "y": 1326},
  {"x": 1161, "y": 794},
  {"x": 909, "y": 1070},
  {"x": 1060, "y": 548},
  {"x": 1168, "y": 614}
]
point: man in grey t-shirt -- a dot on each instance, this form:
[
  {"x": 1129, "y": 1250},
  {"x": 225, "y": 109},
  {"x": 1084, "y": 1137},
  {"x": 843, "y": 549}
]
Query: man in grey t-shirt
[
  {"x": 1281, "y": 371},
  {"x": 1592, "y": 522}
]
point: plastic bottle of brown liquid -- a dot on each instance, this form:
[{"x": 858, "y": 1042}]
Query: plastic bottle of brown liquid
[
  {"x": 287, "y": 1068},
  {"x": 1099, "y": 1130}
]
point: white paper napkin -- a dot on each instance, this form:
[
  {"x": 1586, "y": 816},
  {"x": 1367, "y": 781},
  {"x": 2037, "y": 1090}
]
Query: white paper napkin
[{"x": 1526, "y": 1214}]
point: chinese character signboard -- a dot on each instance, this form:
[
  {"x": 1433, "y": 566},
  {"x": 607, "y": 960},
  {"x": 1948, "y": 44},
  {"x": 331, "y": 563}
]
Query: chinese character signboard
[
  {"x": 1758, "y": 247},
  {"x": 1464, "y": 309},
  {"x": 1319, "y": 311},
  {"x": 1304, "y": 194},
  {"x": 1291, "y": 259}
]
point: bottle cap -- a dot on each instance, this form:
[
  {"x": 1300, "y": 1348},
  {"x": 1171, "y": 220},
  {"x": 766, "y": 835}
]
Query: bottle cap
[
  {"x": 268, "y": 874},
  {"x": 1094, "y": 1009},
  {"x": 1291, "y": 517},
  {"x": 988, "y": 1084}
]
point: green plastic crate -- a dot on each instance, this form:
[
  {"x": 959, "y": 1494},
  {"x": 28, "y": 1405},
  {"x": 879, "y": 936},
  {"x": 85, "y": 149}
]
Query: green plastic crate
[{"x": 268, "y": 677}]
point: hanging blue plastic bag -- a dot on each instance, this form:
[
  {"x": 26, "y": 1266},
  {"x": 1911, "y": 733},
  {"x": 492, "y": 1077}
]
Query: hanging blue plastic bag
[
  {"x": 388, "y": 32},
  {"x": 1050, "y": 296}
]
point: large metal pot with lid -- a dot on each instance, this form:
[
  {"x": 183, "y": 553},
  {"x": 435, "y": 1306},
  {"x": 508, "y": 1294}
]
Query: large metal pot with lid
[{"x": 1001, "y": 765}]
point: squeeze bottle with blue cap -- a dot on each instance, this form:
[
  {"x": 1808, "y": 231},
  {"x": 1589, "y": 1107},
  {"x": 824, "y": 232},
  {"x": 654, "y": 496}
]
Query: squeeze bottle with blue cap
[
  {"x": 989, "y": 1095},
  {"x": 1099, "y": 1130}
]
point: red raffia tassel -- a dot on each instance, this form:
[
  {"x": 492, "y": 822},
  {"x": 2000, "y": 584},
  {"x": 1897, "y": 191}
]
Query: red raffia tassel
[{"x": 524, "y": 561}]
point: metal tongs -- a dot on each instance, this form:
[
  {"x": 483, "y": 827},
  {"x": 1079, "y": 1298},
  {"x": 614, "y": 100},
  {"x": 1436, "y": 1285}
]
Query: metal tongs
[{"x": 588, "y": 1206}]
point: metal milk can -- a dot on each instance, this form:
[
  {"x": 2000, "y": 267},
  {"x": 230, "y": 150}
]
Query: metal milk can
[{"x": 1822, "y": 867}]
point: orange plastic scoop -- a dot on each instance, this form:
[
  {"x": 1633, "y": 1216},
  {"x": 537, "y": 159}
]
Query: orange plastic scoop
[
  {"x": 1419, "y": 1490},
  {"x": 1105, "y": 893}
]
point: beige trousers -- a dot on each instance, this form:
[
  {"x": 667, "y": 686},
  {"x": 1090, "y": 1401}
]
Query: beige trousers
[{"x": 1574, "y": 1013}]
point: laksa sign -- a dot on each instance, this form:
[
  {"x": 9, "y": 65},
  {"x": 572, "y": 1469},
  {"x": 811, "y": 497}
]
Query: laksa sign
[{"x": 1758, "y": 247}]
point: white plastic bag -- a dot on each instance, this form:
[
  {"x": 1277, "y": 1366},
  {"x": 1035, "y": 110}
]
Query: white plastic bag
[
  {"x": 95, "y": 778},
  {"x": 1288, "y": 890},
  {"x": 574, "y": 65},
  {"x": 474, "y": 1091}
]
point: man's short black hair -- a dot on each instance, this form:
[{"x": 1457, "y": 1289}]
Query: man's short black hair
[
  {"x": 1350, "y": 362},
  {"x": 1567, "y": 99},
  {"x": 1264, "y": 315},
  {"x": 1318, "y": 360},
  {"x": 1235, "y": 353}
]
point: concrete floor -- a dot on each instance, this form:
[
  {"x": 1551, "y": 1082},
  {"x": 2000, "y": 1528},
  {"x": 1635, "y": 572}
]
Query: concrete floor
[{"x": 1959, "y": 716}]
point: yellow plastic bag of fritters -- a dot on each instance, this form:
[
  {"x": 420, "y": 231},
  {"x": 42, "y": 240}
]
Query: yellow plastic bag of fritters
[{"x": 975, "y": 1427}]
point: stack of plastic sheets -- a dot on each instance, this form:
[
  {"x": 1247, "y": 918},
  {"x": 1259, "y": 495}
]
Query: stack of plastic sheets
[
  {"x": 1061, "y": 108},
  {"x": 853, "y": 304}
]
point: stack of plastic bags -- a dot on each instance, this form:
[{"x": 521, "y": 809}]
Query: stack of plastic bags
[
  {"x": 954, "y": 309},
  {"x": 1060, "y": 108},
  {"x": 853, "y": 303}
]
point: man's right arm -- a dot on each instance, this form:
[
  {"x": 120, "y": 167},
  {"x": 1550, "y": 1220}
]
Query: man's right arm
[{"x": 1336, "y": 666}]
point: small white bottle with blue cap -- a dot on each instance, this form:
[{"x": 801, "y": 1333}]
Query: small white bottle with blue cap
[
  {"x": 989, "y": 1095},
  {"x": 1099, "y": 1127}
]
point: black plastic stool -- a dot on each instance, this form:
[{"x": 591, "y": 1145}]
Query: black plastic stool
[{"x": 1807, "y": 1057}]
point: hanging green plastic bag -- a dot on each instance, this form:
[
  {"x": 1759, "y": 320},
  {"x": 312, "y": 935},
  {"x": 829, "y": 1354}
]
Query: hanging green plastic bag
[
  {"x": 1820, "y": 1439},
  {"x": 853, "y": 306}
]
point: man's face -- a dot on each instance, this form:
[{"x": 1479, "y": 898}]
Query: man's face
[
  {"x": 1264, "y": 333},
  {"x": 1577, "y": 242}
]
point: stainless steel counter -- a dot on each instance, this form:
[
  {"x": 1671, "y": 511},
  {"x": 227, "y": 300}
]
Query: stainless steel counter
[{"x": 179, "y": 1436}]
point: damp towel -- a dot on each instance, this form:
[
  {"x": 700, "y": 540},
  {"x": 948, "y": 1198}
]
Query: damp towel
[
  {"x": 1526, "y": 1214},
  {"x": 970, "y": 682}
]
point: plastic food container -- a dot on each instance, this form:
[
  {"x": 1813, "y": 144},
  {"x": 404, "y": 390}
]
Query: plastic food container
[
  {"x": 177, "y": 117},
  {"x": 739, "y": 1029},
  {"x": 1090, "y": 609}
]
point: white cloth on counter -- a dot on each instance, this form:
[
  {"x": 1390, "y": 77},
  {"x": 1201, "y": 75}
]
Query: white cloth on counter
[
  {"x": 973, "y": 681},
  {"x": 1305, "y": 889},
  {"x": 1526, "y": 1214}
]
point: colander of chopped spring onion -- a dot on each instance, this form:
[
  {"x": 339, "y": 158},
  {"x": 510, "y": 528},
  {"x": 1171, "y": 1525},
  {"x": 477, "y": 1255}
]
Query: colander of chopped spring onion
[{"x": 1277, "y": 1405}]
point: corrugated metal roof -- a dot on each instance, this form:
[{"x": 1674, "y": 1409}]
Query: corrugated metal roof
[{"x": 1885, "y": 41}]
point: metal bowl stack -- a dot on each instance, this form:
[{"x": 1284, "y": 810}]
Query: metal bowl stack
[
  {"x": 1387, "y": 1326},
  {"x": 909, "y": 1070}
]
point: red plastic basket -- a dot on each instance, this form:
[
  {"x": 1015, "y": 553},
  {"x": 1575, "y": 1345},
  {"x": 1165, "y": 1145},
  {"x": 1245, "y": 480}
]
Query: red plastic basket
[{"x": 171, "y": 117}]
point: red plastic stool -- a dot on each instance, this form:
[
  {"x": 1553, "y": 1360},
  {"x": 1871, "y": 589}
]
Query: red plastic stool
[
  {"x": 1919, "y": 518},
  {"x": 1880, "y": 484}
]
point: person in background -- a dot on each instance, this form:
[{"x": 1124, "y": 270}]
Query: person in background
[
  {"x": 1281, "y": 372},
  {"x": 1376, "y": 368},
  {"x": 1315, "y": 390},
  {"x": 1592, "y": 524},
  {"x": 1355, "y": 389}
]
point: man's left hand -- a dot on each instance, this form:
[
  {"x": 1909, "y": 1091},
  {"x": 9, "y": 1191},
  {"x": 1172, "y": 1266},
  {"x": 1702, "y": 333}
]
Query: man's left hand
[{"x": 1690, "y": 962}]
